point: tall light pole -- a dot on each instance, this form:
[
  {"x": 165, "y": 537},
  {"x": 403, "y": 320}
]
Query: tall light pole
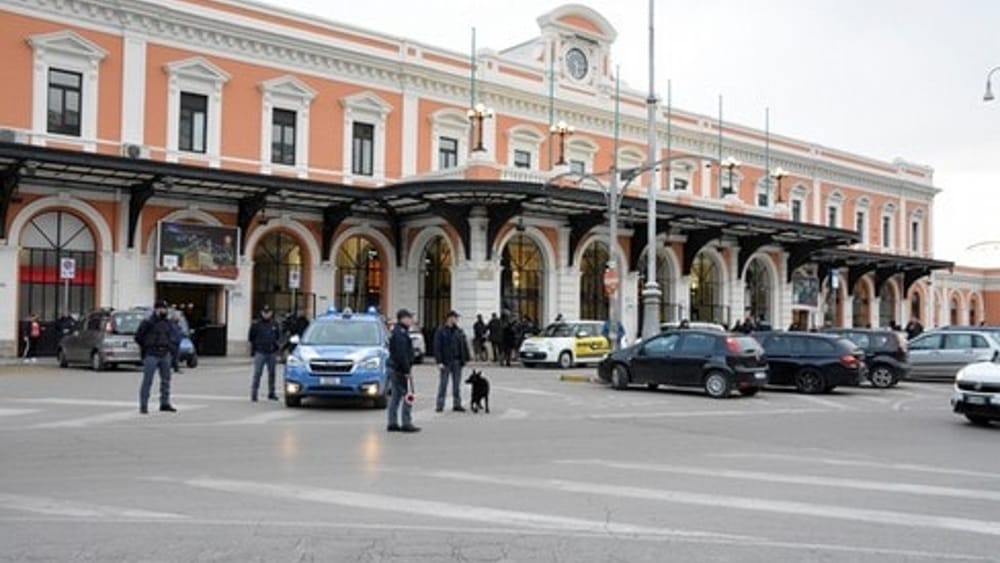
[
  {"x": 651, "y": 292},
  {"x": 562, "y": 130},
  {"x": 779, "y": 174},
  {"x": 478, "y": 114},
  {"x": 729, "y": 164},
  {"x": 614, "y": 299},
  {"x": 988, "y": 96}
]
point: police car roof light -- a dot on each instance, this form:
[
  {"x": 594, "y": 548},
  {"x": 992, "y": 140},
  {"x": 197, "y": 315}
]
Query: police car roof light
[{"x": 331, "y": 310}]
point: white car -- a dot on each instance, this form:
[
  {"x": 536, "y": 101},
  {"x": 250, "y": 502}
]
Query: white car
[
  {"x": 699, "y": 325},
  {"x": 566, "y": 344},
  {"x": 977, "y": 393}
]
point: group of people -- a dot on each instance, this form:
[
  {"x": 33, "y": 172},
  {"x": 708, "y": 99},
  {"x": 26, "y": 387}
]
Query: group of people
[{"x": 504, "y": 333}]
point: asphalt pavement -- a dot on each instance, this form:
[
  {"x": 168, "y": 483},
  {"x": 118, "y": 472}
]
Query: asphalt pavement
[{"x": 559, "y": 471}]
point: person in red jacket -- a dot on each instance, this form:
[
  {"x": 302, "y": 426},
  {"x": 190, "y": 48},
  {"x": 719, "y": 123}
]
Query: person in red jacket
[{"x": 32, "y": 333}]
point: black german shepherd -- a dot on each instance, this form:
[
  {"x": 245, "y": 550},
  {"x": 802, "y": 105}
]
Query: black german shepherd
[{"x": 480, "y": 391}]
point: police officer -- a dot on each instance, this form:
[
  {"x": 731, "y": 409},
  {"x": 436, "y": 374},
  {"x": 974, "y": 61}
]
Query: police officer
[
  {"x": 264, "y": 336},
  {"x": 451, "y": 353},
  {"x": 154, "y": 339},
  {"x": 400, "y": 375}
]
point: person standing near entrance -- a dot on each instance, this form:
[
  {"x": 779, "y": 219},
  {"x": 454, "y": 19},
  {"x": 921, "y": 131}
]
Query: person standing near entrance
[
  {"x": 479, "y": 339},
  {"x": 400, "y": 373},
  {"x": 451, "y": 353},
  {"x": 154, "y": 338},
  {"x": 32, "y": 334},
  {"x": 264, "y": 336},
  {"x": 495, "y": 333}
]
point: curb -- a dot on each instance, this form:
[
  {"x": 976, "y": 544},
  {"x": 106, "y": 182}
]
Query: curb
[{"x": 576, "y": 378}]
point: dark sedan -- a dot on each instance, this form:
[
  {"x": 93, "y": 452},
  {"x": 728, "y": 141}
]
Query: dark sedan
[
  {"x": 812, "y": 363},
  {"x": 712, "y": 360},
  {"x": 886, "y": 354}
]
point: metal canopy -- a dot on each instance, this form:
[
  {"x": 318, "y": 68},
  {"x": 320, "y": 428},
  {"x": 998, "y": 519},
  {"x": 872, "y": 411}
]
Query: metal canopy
[{"x": 884, "y": 266}]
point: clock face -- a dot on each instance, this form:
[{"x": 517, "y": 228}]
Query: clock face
[{"x": 576, "y": 63}]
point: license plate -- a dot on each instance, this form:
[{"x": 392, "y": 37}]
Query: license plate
[
  {"x": 329, "y": 381},
  {"x": 975, "y": 400}
]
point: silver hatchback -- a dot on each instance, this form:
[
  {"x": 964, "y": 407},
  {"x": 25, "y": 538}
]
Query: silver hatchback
[
  {"x": 105, "y": 340},
  {"x": 941, "y": 354}
]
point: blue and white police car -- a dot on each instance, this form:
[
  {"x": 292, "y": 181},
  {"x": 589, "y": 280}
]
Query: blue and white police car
[{"x": 340, "y": 355}]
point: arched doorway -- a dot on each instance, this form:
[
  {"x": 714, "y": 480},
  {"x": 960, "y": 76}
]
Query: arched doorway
[
  {"x": 973, "y": 311},
  {"x": 522, "y": 279},
  {"x": 593, "y": 300},
  {"x": 276, "y": 254},
  {"x": 435, "y": 284},
  {"x": 45, "y": 240},
  {"x": 833, "y": 299},
  {"x": 861, "y": 305},
  {"x": 953, "y": 314},
  {"x": 757, "y": 289},
  {"x": 916, "y": 307},
  {"x": 669, "y": 309},
  {"x": 706, "y": 291},
  {"x": 887, "y": 306},
  {"x": 360, "y": 275}
]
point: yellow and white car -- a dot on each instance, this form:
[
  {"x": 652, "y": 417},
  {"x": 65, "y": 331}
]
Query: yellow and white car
[{"x": 566, "y": 344}]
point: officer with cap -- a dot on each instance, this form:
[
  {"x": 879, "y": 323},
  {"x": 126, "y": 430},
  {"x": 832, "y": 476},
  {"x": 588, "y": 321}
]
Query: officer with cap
[
  {"x": 264, "y": 336},
  {"x": 155, "y": 339},
  {"x": 451, "y": 352},
  {"x": 400, "y": 373}
]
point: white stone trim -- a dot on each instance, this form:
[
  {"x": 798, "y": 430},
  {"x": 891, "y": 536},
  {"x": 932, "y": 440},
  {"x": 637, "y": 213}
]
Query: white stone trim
[
  {"x": 369, "y": 232},
  {"x": 449, "y": 122},
  {"x": 288, "y": 93},
  {"x": 133, "y": 89},
  {"x": 285, "y": 223},
  {"x": 683, "y": 169},
  {"x": 366, "y": 107},
  {"x": 581, "y": 148},
  {"x": 888, "y": 212},
  {"x": 863, "y": 206},
  {"x": 94, "y": 219},
  {"x": 917, "y": 216},
  {"x": 836, "y": 199},
  {"x": 525, "y": 138},
  {"x": 66, "y": 50},
  {"x": 411, "y": 141},
  {"x": 195, "y": 75}
]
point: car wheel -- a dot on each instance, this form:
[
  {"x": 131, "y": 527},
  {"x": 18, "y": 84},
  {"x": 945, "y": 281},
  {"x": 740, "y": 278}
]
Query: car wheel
[
  {"x": 749, "y": 391},
  {"x": 96, "y": 363},
  {"x": 565, "y": 360},
  {"x": 978, "y": 420},
  {"x": 809, "y": 381},
  {"x": 293, "y": 401},
  {"x": 619, "y": 376},
  {"x": 61, "y": 356},
  {"x": 882, "y": 376},
  {"x": 717, "y": 385},
  {"x": 652, "y": 386},
  {"x": 192, "y": 362}
]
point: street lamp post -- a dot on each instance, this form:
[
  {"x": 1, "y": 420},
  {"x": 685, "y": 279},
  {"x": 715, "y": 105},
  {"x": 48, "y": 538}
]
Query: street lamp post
[
  {"x": 478, "y": 114},
  {"x": 729, "y": 164},
  {"x": 988, "y": 96},
  {"x": 779, "y": 174},
  {"x": 561, "y": 129},
  {"x": 651, "y": 293}
]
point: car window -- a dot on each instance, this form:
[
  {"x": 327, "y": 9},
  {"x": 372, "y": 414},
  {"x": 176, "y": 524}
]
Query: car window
[
  {"x": 127, "y": 322},
  {"x": 660, "y": 346},
  {"x": 860, "y": 339},
  {"x": 883, "y": 341},
  {"x": 584, "y": 330},
  {"x": 798, "y": 346},
  {"x": 748, "y": 344},
  {"x": 958, "y": 341},
  {"x": 820, "y": 346},
  {"x": 978, "y": 341},
  {"x": 343, "y": 333},
  {"x": 558, "y": 330},
  {"x": 778, "y": 346},
  {"x": 697, "y": 344},
  {"x": 94, "y": 322},
  {"x": 926, "y": 342}
]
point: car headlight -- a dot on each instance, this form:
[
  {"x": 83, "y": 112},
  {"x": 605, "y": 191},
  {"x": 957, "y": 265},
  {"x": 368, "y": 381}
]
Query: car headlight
[
  {"x": 371, "y": 363},
  {"x": 294, "y": 361}
]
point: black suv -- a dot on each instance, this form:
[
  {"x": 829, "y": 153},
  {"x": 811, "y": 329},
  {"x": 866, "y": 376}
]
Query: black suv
[
  {"x": 886, "y": 355},
  {"x": 813, "y": 363},
  {"x": 714, "y": 360}
]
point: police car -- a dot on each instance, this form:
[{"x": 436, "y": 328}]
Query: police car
[{"x": 340, "y": 355}]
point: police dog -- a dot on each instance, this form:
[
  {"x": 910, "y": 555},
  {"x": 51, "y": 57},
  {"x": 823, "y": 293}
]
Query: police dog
[{"x": 480, "y": 391}]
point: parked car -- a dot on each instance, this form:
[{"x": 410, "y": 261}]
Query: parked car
[
  {"x": 419, "y": 344},
  {"x": 811, "y": 362},
  {"x": 713, "y": 360},
  {"x": 105, "y": 340},
  {"x": 940, "y": 354},
  {"x": 886, "y": 355},
  {"x": 700, "y": 325},
  {"x": 566, "y": 344},
  {"x": 977, "y": 393}
]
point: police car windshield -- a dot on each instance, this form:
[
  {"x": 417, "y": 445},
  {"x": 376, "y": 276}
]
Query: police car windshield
[
  {"x": 127, "y": 323},
  {"x": 558, "y": 330},
  {"x": 343, "y": 333}
]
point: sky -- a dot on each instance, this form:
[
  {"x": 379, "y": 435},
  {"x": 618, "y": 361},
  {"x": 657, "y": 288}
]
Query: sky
[{"x": 882, "y": 78}]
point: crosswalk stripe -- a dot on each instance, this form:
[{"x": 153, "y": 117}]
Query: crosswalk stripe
[
  {"x": 16, "y": 412},
  {"x": 514, "y": 414},
  {"x": 59, "y": 401},
  {"x": 98, "y": 419},
  {"x": 262, "y": 418},
  {"x": 224, "y": 398},
  {"x": 527, "y": 391},
  {"x": 816, "y": 510},
  {"x": 916, "y": 468},
  {"x": 437, "y": 509},
  {"x": 56, "y": 507},
  {"x": 892, "y": 487},
  {"x": 709, "y": 413},
  {"x": 823, "y": 402}
]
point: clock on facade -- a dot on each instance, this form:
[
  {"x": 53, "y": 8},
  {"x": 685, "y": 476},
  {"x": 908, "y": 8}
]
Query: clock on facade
[{"x": 576, "y": 63}]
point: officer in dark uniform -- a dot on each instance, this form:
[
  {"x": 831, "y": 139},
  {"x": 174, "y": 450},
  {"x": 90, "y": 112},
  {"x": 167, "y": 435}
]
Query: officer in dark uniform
[
  {"x": 155, "y": 341},
  {"x": 400, "y": 375},
  {"x": 264, "y": 336}
]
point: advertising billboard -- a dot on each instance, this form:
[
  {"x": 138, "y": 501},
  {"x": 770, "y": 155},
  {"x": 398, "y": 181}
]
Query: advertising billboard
[{"x": 197, "y": 253}]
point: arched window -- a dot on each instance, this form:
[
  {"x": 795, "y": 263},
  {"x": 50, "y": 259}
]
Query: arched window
[
  {"x": 593, "y": 301},
  {"x": 887, "y": 306},
  {"x": 435, "y": 283},
  {"x": 45, "y": 240},
  {"x": 706, "y": 291},
  {"x": 757, "y": 290},
  {"x": 669, "y": 309},
  {"x": 953, "y": 316},
  {"x": 522, "y": 279},
  {"x": 277, "y": 254},
  {"x": 359, "y": 275}
]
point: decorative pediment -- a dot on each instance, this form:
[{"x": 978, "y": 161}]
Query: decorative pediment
[
  {"x": 68, "y": 43},
  {"x": 197, "y": 68},
  {"x": 579, "y": 19},
  {"x": 366, "y": 102},
  {"x": 526, "y": 133},
  {"x": 288, "y": 86}
]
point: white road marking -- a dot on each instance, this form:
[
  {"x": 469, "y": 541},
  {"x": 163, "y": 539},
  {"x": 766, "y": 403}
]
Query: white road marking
[
  {"x": 16, "y": 412},
  {"x": 437, "y": 509},
  {"x": 262, "y": 418},
  {"x": 104, "y": 418},
  {"x": 868, "y": 464},
  {"x": 880, "y": 486},
  {"x": 712, "y": 413},
  {"x": 514, "y": 414},
  {"x": 885, "y": 517},
  {"x": 528, "y": 391},
  {"x": 822, "y": 402},
  {"x": 226, "y": 398},
  {"x": 78, "y": 402},
  {"x": 56, "y": 507}
]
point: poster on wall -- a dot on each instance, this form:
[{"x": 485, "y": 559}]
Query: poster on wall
[
  {"x": 805, "y": 290},
  {"x": 197, "y": 253}
]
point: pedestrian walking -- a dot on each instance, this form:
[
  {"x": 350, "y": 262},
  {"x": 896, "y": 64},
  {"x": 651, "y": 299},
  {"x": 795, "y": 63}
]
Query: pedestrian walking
[
  {"x": 400, "y": 366},
  {"x": 451, "y": 352},
  {"x": 508, "y": 345},
  {"x": 32, "y": 334},
  {"x": 264, "y": 337},
  {"x": 479, "y": 339},
  {"x": 154, "y": 338},
  {"x": 495, "y": 333},
  {"x": 176, "y": 335}
]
